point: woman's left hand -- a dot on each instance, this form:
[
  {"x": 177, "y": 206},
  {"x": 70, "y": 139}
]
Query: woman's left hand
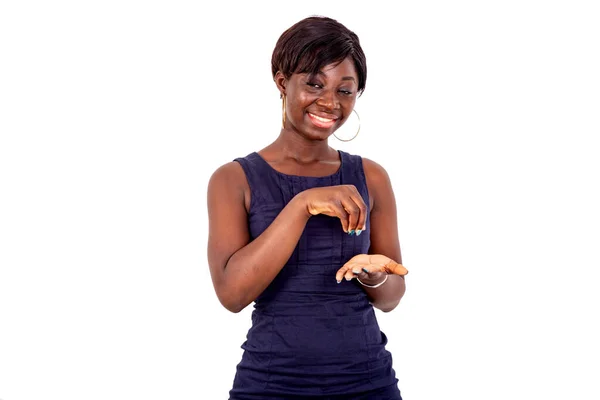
[{"x": 369, "y": 268}]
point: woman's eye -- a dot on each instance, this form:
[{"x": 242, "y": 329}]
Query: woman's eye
[
  {"x": 346, "y": 92},
  {"x": 315, "y": 85}
]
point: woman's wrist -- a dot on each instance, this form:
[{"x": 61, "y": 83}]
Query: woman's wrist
[
  {"x": 375, "y": 283},
  {"x": 298, "y": 203}
]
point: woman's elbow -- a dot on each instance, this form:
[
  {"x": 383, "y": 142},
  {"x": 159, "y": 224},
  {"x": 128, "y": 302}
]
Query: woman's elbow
[
  {"x": 386, "y": 308},
  {"x": 231, "y": 302},
  {"x": 233, "y": 308}
]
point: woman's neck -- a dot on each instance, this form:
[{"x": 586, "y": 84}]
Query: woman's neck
[{"x": 294, "y": 146}]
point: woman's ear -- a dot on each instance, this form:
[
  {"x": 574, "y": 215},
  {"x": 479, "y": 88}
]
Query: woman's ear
[{"x": 281, "y": 82}]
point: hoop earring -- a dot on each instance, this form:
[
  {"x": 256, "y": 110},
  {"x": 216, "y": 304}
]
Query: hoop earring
[
  {"x": 355, "y": 135},
  {"x": 283, "y": 112}
]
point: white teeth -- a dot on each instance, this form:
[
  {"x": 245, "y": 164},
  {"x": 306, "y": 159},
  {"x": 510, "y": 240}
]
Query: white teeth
[{"x": 321, "y": 118}]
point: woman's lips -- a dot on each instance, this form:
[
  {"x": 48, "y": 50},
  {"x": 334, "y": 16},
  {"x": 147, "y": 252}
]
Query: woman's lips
[{"x": 322, "y": 122}]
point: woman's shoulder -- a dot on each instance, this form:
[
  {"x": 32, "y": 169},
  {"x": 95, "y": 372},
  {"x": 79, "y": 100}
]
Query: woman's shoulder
[
  {"x": 231, "y": 174},
  {"x": 234, "y": 168},
  {"x": 376, "y": 176},
  {"x": 374, "y": 171}
]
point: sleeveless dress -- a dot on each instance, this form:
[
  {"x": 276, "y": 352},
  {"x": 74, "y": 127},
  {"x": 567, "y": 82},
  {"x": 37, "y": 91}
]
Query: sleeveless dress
[{"x": 312, "y": 338}]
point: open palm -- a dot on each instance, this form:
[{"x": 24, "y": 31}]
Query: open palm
[{"x": 369, "y": 266}]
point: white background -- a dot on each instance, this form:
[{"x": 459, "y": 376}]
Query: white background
[{"x": 114, "y": 114}]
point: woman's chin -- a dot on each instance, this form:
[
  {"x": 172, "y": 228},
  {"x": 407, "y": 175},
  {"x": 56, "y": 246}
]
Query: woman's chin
[{"x": 319, "y": 134}]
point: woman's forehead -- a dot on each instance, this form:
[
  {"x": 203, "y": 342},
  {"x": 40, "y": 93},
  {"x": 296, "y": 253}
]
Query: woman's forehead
[{"x": 344, "y": 69}]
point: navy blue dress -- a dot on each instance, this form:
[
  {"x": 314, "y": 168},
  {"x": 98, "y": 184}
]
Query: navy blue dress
[{"x": 312, "y": 337}]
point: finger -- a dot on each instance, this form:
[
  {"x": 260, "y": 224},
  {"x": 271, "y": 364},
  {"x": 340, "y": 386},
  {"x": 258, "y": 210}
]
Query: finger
[
  {"x": 370, "y": 269},
  {"x": 362, "y": 275},
  {"x": 373, "y": 270},
  {"x": 341, "y": 273},
  {"x": 360, "y": 203},
  {"x": 361, "y": 222},
  {"x": 339, "y": 211},
  {"x": 395, "y": 268},
  {"x": 349, "y": 275},
  {"x": 390, "y": 268},
  {"x": 353, "y": 211},
  {"x": 357, "y": 269},
  {"x": 352, "y": 270}
]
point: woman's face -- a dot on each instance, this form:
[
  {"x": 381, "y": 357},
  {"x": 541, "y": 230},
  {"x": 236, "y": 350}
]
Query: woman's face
[{"x": 318, "y": 105}]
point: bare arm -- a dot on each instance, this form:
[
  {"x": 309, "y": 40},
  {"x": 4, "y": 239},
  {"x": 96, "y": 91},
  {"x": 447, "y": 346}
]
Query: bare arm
[
  {"x": 384, "y": 236},
  {"x": 240, "y": 269}
]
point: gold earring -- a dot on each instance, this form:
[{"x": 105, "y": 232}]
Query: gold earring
[
  {"x": 355, "y": 135},
  {"x": 283, "y": 113}
]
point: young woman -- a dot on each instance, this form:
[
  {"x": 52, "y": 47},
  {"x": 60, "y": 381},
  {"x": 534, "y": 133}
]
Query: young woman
[{"x": 310, "y": 235}]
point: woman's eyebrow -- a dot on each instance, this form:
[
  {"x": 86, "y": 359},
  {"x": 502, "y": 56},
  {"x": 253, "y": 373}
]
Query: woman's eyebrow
[{"x": 344, "y": 78}]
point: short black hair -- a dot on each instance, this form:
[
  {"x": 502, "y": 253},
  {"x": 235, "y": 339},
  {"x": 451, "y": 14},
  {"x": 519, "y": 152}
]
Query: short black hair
[{"x": 315, "y": 42}]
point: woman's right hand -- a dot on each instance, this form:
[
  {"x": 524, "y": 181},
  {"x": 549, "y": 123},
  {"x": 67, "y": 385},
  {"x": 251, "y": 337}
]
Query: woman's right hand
[{"x": 342, "y": 201}]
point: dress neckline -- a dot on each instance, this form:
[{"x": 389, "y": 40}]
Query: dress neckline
[{"x": 340, "y": 153}]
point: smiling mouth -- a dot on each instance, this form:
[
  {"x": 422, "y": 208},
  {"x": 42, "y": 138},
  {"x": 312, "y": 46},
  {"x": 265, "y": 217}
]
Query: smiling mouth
[{"x": 322, "y": 122}]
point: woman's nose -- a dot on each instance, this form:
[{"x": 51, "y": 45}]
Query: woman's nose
[{"x": 328, "y": 100}]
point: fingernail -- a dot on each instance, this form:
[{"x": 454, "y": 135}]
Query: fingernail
[
  {"x": 358, "y": 232},
  {"x": 366, "y": 270},
  {"x": 351, "y": 232},
  {"x": 356, "y": 272},
  {"x": 338, "y": 281}
]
